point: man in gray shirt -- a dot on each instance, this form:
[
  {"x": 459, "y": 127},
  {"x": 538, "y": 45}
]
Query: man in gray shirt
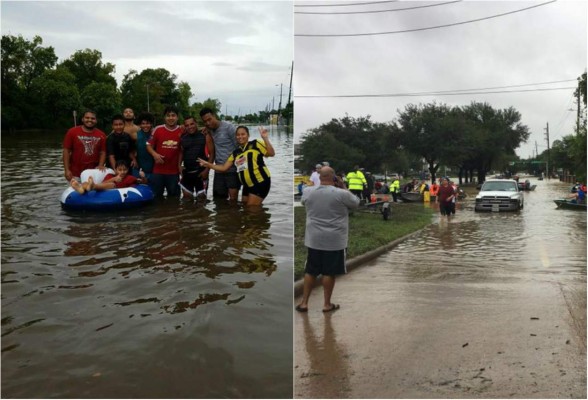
[
  {"x": 326, "y": 235},
  {"x": 225, "y": 184}
]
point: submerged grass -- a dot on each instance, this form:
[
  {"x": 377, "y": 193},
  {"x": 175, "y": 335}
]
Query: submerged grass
[{"x": 367, "y": 231}]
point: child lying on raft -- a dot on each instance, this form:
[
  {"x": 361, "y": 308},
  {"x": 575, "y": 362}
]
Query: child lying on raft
[{"x": 122, "y": 179}]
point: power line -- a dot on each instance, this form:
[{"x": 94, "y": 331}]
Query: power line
[
  {"x": 424, "y": 29},
  {"x": 459, "y": 93},
  {"x": 376, "y": 11},
  {"x": 345, "y": 4}
]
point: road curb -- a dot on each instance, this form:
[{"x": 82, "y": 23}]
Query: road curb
[{"x": 359, "y": 260}]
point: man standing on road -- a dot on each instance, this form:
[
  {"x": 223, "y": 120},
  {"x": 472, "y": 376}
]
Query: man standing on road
[
  {"x": 445, "y": 197},
  {"x": 326, "y": 236},
  {"x": 225, "y": 184},
  {"x": 84, "y": 147}
]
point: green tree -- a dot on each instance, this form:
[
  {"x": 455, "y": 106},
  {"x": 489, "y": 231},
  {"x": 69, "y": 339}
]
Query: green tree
[
  {"x": 429, "y": 132},
  {"x": 349, "y": 141},
  {"x": 152, "y": 90},
  {"x": 214, "y": 104},
  {"x": 56, "y": 96},
  {"x": 87, "y": 67},
  {"x": 102, "y": 98},
  {"x": 493, "y": 136},
  {"x": 184, "y": 95},
  {"x": 22, "y": 61}
]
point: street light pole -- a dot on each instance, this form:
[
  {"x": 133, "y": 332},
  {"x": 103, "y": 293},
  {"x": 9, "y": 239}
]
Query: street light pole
[
  {"x": 147, "y": 86},
  {"x": 280, "y": 105}
]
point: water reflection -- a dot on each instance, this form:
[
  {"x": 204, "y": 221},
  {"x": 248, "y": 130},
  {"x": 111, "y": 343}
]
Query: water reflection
[
  {"x": 327, "y": 361},
  {"x": 176, "y": 299}
]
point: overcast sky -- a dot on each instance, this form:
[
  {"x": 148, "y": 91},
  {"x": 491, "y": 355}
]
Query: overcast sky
[
  {"x": 544, "y": 44},
  {"x": 236, "y": 51}
]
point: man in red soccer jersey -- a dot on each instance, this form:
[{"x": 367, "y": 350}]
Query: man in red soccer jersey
[
  {"x": 84, "y": 147},
  {"x": 164, "y": 146}
]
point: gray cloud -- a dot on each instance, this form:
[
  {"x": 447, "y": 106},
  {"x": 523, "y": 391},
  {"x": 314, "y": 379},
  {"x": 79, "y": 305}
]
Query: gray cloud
[
  {"x": 547, "y": 43},
  {"x": 215, "y": 46}
]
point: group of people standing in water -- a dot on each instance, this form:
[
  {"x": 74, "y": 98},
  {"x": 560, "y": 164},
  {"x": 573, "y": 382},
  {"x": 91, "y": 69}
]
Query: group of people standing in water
[{"x": 173, "y": 159}]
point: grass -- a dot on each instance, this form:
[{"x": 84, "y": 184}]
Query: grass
[{"x": 366, "y": 231}]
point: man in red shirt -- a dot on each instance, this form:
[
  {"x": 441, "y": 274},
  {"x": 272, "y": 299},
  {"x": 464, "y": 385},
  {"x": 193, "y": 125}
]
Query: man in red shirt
[
  {"x": 164, "y": 146},
  {"x": 445, "y": 197},
  {"x": 84, "y": 147}
]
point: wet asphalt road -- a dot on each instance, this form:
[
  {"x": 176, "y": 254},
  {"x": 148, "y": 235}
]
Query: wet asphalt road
[{"x": 480, "y": 306}]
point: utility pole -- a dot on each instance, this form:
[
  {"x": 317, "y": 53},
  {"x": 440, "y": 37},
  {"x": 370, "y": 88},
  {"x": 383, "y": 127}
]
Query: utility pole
[
  {"x": 548, "y": 156},
  {"x": 578, "y": 107},
  {"x": 280, "y": 105},
  {"x": 290, "y": 91},
  {"x": 536, "y": 149}
]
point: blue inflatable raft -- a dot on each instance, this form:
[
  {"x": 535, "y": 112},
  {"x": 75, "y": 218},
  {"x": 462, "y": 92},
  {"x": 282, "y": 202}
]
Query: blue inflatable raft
[{"x": 112, "y": 199}]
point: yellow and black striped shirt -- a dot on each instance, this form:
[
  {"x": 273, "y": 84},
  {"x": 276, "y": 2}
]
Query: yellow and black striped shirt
[{"x": 250, "y": 164}]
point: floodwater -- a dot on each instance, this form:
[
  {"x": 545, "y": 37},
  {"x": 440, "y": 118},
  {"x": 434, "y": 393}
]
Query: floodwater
[
  {"x": 173, "y": 300},
  {"x": 483, "y": 305}
]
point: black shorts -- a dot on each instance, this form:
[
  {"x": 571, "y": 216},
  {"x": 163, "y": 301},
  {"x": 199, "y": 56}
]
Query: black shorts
[
  {"x": 325, "y": 262},
  {"x": 222, "y": 182},
  {"x": 259, "y": 189},
  {"x": 445, "y": 208},
  {"x": 192, "y": 181}
]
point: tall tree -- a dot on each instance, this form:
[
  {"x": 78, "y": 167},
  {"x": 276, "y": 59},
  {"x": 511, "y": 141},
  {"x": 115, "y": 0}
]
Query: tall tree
[
  {"x": 151, "y": 89},
  {"x": 22, "y": 61},
  {"x": 494, "y": 134},
  {"x": 102, "y": 98},
  {"x": 57, "y": 96},
  {"x": 428, "y": 131},
  {"x": 87, "y": 67},
  {"x": 349, "y": 141}
]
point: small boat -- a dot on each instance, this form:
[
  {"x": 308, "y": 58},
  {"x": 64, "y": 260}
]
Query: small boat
[
  {"x": 411, "y": 197},
  {"x": 570, "y": 204},
  {"x": 105, "y": 200}
]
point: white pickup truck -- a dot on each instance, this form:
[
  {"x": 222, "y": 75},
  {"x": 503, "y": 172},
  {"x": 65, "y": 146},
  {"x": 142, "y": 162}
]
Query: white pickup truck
[{"x": 499, "y": 195}]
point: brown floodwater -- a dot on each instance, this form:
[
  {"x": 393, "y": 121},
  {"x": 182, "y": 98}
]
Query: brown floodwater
[{"x": 173, "y": 300}]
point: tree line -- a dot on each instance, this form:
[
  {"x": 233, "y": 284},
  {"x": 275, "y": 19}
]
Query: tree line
[
  {"x": 471, "y": 140},
  {"x": 39, "y": 92}
]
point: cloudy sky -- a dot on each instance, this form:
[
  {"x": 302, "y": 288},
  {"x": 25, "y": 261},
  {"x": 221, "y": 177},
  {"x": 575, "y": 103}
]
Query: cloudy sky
[
  {"x": 236, "y": 51},
  {"x": 544, "y": 44}
]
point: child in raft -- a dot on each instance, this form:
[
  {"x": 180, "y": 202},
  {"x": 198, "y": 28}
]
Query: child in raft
[{"x": 122, "y": 179}]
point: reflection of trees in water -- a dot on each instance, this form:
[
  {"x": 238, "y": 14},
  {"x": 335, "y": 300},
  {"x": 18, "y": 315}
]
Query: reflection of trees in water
[
  {"x": 203, "y": 243},
  {"x": 227, "y": 242}
]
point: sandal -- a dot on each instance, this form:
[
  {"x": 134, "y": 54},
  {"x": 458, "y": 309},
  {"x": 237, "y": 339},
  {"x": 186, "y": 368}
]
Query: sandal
[
  {"x": 301, "y": 309},
  {"x": 332, "y": 308}
]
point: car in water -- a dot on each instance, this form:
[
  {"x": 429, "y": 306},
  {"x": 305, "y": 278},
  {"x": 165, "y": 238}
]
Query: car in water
[{"x": 500, "y": 195}]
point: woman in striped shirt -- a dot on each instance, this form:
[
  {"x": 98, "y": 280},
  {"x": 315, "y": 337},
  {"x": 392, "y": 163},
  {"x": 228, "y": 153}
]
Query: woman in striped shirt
[{"x": 249, "y": 161}]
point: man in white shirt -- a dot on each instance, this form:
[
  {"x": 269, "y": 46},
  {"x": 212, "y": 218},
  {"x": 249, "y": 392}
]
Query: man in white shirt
[{"x": 314, "y": 177}]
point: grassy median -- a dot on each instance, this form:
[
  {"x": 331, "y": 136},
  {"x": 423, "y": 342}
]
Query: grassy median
[{"x": 367, "y": 231}]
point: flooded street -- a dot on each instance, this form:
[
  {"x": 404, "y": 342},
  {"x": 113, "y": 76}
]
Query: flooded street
[
  {"x": 167, "y": 301},
  {"x": 484, "y": 305}
]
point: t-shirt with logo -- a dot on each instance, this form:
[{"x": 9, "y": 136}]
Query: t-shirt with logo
[
  {"x": 85, "y": 148},
  {"x": 166, "y": 142}
]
